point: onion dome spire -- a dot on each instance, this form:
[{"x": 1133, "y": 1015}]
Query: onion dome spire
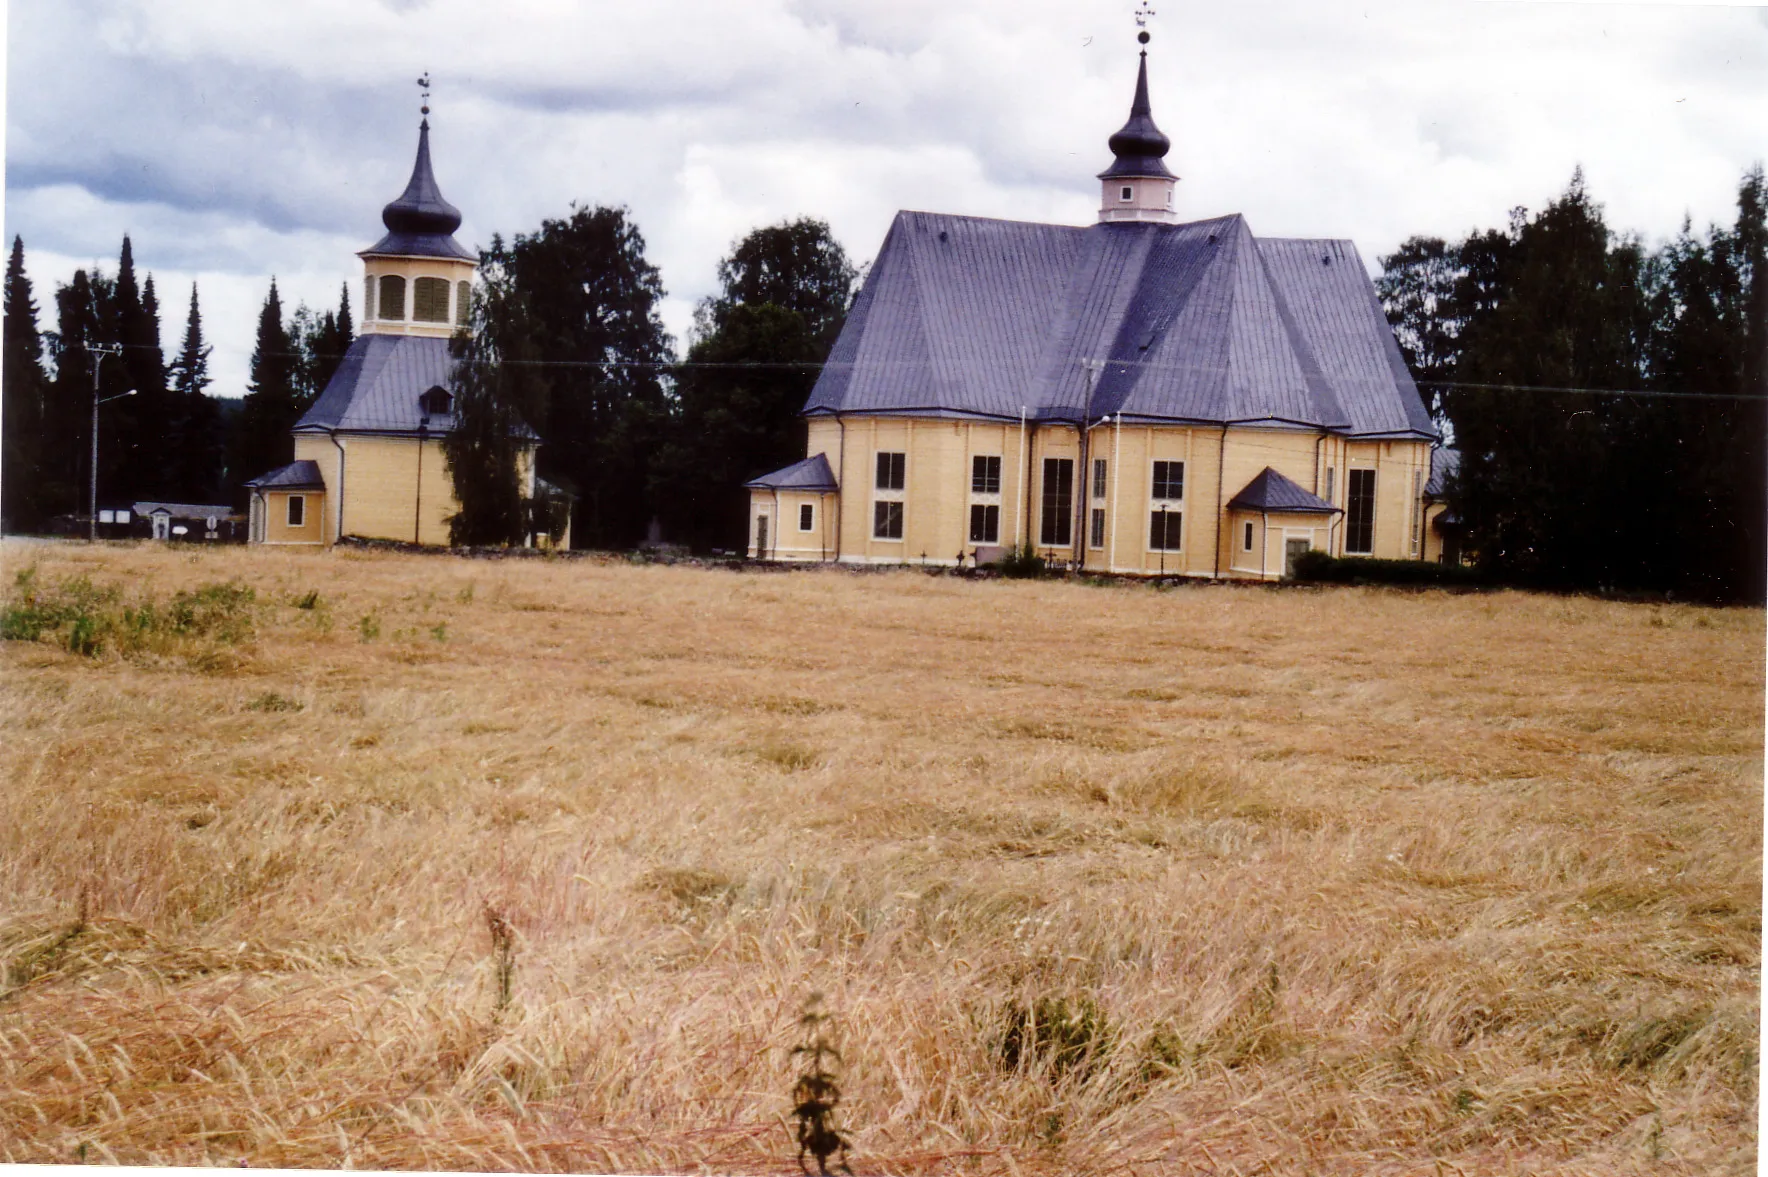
[
  {"x": 1139, "y": 145},
  {"x": 420, "y": 223}
]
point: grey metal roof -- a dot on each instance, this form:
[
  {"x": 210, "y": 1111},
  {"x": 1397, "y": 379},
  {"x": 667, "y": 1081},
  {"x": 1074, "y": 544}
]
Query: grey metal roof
[
  {"x": 1198, "y": 322},
  {"x": 378, "y": 384},
  {"x": 188, "y": 510},
  {"x": 302, "y": 475},
  {"x": 1445, "y": 461},
  {"x": 811, "y": 474},
  {"x": 1272, "y": 492},
  {"x": 419, "y": 222}
]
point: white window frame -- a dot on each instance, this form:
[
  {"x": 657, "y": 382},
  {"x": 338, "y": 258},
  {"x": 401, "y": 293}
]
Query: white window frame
[
  {"x": 984, "y": 503},
  {"x": 289, "y": 511},
  {"x": 806, "y": 517},
  {"x": 890, "y": 494},
  {"x": 1126, "y": 194},
  {"x": 1172, "y": 506},
  {"x": 1246, "y": 536}
]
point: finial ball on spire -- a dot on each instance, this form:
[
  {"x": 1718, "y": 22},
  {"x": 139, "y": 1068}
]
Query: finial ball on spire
[{"x": 1142, "y": 36}]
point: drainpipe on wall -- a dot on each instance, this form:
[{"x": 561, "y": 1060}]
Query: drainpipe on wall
[
  {"x": 339, "y": 533},
  {"x": 1264, "y": 545},
  {"x": 1221, "y": 452},
  {"x": 1021, "y": 516},
  {"x": 775, "y": 537},
  {"x": 1116, "y": 485},
  {"x": 840, "y": 483}
]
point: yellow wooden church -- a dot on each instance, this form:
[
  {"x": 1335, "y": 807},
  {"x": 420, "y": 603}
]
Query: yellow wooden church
[
  {"x": 368, "y": 454},
  {"x": 1142, "y": 395}
]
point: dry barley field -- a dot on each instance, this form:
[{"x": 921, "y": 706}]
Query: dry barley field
[{"x": 389, "y": 861}]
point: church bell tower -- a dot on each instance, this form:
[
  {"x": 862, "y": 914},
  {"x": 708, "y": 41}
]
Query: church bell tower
[
  {"x": 419, "y": 279},
  {"x": 1138, "y": 186}
]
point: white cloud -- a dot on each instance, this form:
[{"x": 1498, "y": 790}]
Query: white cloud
[{"x": 235, "y": 141}]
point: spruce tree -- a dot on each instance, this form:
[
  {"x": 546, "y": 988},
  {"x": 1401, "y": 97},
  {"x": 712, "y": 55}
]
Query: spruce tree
[
  {"x": 145, "y": 424},
  {"x": 23, "y": 383},
  {"x": 271, "y": 405},
  {"x": 86, "y": 321},
  {"x": 201, "y": 449}
]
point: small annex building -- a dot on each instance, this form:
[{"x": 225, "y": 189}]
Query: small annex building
[
  {"x": 368, "y": 453},
  {"x": 1142, "y": 395},
  {"x": 202, "y": 522}
]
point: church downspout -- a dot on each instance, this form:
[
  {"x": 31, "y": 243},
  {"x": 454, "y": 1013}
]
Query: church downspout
[
  {"x": 1022, "y": 517},
  {"x": 840, "y": 483},
  {"x": 1221, "y": 452},
  {"x": 1116, "y": 485},
  {"x": 339, "y": 533}
]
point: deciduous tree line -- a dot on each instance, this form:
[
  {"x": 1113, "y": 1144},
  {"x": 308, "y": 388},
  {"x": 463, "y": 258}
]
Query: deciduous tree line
[{"x": 1609, "y": 401}]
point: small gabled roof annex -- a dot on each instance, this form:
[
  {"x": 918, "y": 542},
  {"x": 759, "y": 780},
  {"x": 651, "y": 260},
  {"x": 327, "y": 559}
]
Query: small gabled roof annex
[
  {"x": 1274, "y": 494},
  {"x": 186, "y": 510},
  {"x": 812, "y": 474},
  {"x": 302, "y": 475}
]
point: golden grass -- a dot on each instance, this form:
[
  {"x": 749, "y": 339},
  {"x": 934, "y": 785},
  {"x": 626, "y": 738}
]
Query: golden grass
[{"x": 1349, "y": 881}]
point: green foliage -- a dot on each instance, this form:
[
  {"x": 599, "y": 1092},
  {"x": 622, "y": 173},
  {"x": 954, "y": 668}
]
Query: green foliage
[
  {"x": 1590, "y": 488},
  {"x": 498, "y": 390},
  {"x": 271, "y": 701},
  {"x": 1318, "y": 567},
  {"x": 274, "y": 401},
  {"x": 797, "y": 266},
  {"x": 194, "y": 462},
  {"x": 24, "y": 504},
  {"x": 592, "y": 321},
  {"x": 817, "y": 1091},
  {"x": 1064, "y": 1036},
  {"x": 90, "y": 620},
  {"x": 1022, "y": 563},
  {"x": 369, "y": 627},
  {"x": 785, "y": 290}
]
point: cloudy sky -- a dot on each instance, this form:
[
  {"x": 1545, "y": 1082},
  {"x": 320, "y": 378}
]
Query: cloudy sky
[{"x": 239, "y": 139}]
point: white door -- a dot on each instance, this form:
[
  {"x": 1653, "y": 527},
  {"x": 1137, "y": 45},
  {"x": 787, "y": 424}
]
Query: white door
[{"x": 162, "y": 525}]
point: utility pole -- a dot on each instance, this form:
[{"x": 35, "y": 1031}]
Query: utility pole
[{"x": 98, "y": 351}]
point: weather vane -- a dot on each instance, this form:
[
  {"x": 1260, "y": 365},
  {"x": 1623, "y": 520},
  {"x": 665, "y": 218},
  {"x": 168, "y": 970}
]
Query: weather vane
[
  {"x": 424, "y": 85},
  {"x": 1143, "y": 12}
]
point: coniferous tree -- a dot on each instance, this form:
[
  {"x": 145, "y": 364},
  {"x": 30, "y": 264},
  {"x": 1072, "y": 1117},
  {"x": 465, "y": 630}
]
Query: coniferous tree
[
  {"x": 23, "y": 383},
  {"x": 86, "y": 335},
  {"x": 272, "y": 404},
  {"x": 145, "y": 423},
  {"x": 201, "y": 451}
]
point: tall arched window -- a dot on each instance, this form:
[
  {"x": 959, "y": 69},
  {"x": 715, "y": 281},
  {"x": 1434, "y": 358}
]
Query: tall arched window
[
  {"x": 392, "y": 296},
  {"x": 429, "y": 300},
  {"x": 368, "y": 298},
  {"x": 463, "y": 303}
]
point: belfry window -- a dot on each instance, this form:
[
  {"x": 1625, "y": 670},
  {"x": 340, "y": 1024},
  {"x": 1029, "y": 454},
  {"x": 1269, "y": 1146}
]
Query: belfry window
[
  {"x": 463, "y": 303},
  {"x": 392, "y": 298},
  {"x": 429, "y": 300},
  {"x": 1127, "y": 193},
  {"x": 368, "y": 298}
]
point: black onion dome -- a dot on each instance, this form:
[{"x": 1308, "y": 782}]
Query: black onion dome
[
  {"x": 1139, "y": 145},
  {"x": 420, "y": 223}
]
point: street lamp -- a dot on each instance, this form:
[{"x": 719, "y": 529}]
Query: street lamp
[{"x": 98, "y": 354}]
